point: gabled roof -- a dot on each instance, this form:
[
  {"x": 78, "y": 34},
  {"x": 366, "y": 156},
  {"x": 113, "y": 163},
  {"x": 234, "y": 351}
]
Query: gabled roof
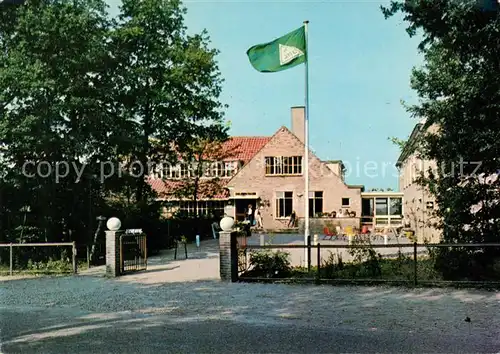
[
  {"x": 410, "y": 144},
  {"x": 237, "y": 148},
  {"x": 285, "y": 129},
  {"x": 244, "y": 148}
]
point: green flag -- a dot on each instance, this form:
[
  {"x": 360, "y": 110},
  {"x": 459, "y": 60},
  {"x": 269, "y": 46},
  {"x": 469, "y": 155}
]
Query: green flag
[{"x": 281, "y": 54}]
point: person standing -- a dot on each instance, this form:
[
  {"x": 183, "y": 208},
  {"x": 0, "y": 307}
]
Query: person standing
[
  {"x": 250, "y": 215},
  {"x": 293, "y": 217},
  {"x": 258, "y": 216}
]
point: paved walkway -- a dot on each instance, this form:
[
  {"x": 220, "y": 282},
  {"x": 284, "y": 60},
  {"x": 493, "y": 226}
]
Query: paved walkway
[{"x": 202, "y": 264}]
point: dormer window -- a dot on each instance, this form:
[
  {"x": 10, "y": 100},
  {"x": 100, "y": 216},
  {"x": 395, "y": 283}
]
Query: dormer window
[{"x": 230, "y": 168}]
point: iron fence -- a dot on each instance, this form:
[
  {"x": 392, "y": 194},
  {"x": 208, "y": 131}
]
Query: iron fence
[
  {"x": 413, "y": 252},
  {"x": 133, "y": 253},
  {"x": 33, "y": 269}
]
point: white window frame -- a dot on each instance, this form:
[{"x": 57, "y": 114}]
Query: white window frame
[
  {"x": 312, "y": 196},
  {"x": 279, "y": 164},
  {"x": 278, "y": 197}
]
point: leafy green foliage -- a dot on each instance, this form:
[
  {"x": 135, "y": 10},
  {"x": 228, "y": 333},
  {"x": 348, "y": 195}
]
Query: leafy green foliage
[
  {"x": 100, "y": 95},
  {"x": 459, "y": 97},
  {"x": 270, "y": 264},
  {"x": 400, "y": 143}
]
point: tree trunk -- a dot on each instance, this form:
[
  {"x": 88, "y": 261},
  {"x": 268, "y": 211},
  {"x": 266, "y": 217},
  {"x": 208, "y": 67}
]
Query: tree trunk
[
  {"x": 100, "y": 227},
  {"x": 143, "y": 157}
]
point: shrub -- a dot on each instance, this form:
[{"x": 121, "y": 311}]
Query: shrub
[
  {"x": 269, "y": 264},
  {"x": 332, "y": 266},
  {"x": 51, "y": 266},
  {"x": 367, "y": 257}
]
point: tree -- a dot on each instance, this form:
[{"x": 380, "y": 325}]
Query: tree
[
  {"x": 458, "y": 89},
  {"x": 400, "y": 143},
  {"x": 167, "y": 82},
  {"x": 53, "y": 90},
  {"x": 203, "y": 163}
]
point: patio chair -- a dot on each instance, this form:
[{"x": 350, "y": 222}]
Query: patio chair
[
  {"x": 349, "y": 231},
  {"x": 327, "y": 233}
]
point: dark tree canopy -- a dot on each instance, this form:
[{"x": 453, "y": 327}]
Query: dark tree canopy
[
  {"x": 84, "y": 90},
  {"x": 458, "y": 86}
]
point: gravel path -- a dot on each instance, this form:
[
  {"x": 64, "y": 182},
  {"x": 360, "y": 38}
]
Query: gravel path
[{"x": 158, "y": 312}]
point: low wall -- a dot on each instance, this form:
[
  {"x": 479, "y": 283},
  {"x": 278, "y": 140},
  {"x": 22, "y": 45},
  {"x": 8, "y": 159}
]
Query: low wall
[{"x": 316, "y": 225}]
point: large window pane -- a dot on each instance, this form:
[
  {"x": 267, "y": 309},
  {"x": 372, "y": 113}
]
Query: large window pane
[
  {"x": 396, "y": 206},
  {"x": 381, "y": 207}
]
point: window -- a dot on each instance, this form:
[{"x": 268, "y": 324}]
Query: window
[
  {"x": 203, "y": 208},
  {"x": 184, "y": 170},
  {"x": 396, "y": 206},
  {"x": 381, "y": 207},
  {"x": 345, "y": 202},
  {"x": 315, "y": 203},
  {"x": 291, "y": 165},
  {"x": 284, "y": 204},
  {"x": 207, "y": 169},
  {"x": 214, "y": 169},
  {"x": 175, "y": 172},
  {"x": 229, "y": 169}
]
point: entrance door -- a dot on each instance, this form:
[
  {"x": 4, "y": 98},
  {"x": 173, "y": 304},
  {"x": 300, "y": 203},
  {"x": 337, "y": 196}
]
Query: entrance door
[
  {"x": 241, "y": 206},
  {"x": 367, "y": 210}
]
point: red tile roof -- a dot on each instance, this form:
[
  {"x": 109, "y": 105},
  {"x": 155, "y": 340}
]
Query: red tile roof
[
  {"x": 244, "y": 148},
  {"x": 238, "y": 148}
]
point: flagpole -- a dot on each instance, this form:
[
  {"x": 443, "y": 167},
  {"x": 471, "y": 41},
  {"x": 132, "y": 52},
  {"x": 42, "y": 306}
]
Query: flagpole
[{"x": 306, "y": 146}]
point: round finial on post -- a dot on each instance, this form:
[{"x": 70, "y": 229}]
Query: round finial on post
[
  {"x": 226, "y": 224},
  {"x": 114, "y": 224}
]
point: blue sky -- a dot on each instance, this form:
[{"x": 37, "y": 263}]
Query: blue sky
[{"x": 359, "y": 66}]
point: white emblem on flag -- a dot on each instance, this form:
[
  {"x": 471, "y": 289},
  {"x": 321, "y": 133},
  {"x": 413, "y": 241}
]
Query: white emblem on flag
[{"x": 288, "y": 53}]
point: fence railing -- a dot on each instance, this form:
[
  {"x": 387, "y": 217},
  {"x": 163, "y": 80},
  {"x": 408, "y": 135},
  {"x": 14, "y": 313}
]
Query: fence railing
[
  {"x": 411, "y": 248},
  {"x": 11, "y": 247}
]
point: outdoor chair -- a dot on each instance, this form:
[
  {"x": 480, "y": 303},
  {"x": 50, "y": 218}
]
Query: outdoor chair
[
  {"x": 327, "y": 233},
  {"x": 349, "y": 231}
]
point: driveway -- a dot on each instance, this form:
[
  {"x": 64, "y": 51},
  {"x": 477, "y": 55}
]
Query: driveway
[{"x": 160, "y": 312}]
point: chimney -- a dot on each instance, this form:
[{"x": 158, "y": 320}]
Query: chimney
[{"x": 298, "y": 121}]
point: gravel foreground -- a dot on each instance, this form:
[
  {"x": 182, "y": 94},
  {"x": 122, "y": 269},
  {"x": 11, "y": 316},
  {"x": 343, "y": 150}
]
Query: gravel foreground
[{"x": 90, "y": 314}]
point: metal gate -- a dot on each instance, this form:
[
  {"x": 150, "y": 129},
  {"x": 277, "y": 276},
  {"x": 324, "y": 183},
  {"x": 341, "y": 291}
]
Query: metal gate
[{"x": 133, "y": 253}]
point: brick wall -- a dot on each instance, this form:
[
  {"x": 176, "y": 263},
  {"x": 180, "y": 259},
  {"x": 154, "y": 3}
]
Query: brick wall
[
  {"x": 228, "y": 256},
  {"x": 252, "y": 179},
  {"x": 415, "y": 208},
  {"x": 113, "y": 253}
]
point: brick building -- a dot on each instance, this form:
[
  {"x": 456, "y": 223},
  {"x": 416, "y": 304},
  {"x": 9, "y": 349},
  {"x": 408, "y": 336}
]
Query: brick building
[
  {"x": 268, "y": 173},
  {"x": 419, "y": 203}
]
